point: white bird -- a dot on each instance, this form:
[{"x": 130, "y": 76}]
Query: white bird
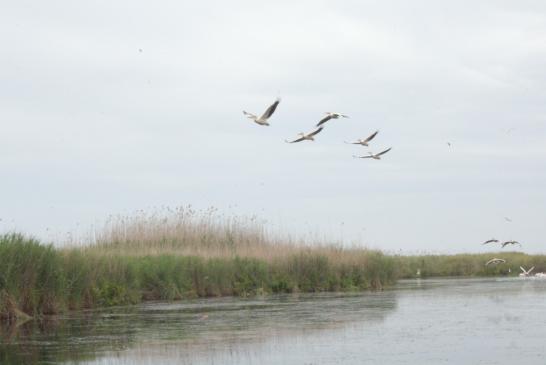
[
  {"x": 526, "y": 272},
  {"x": 376, "y": 156},
  {"x": 330, "y": 115},
  {"x": 309, "y": 136},
  {"x": 364, "y": 142},
  {"x": 495, "y": 261},
  {"x": 266, "y": 115}
]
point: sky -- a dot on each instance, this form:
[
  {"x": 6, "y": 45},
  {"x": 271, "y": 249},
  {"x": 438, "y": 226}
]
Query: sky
[{"x": 111, "y": 107}]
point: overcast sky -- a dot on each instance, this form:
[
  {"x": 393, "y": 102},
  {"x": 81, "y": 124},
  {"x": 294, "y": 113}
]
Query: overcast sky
[{"x": 109, "y": 107}]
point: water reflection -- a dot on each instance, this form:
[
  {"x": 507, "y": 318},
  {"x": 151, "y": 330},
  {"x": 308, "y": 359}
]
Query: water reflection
[
  {"x": 427, "y": 321},
  {"x": 192, "y": 326}
]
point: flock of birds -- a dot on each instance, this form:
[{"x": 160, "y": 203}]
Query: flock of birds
[
  {"x": 263, "y": 120},
  {"x": 495, "y": 261}
]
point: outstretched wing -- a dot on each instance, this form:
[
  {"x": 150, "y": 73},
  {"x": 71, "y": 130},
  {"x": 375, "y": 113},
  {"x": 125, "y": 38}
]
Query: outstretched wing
[
  {"x": 249, "y": 115},
  {"x": 324, "y": 120},
  {"x": 371, "y": 137},
  {"x": 269, "y": 112},
  {"x": 316, "y": 131},
  {"x": 382, "y": 153},
  {"x": 296, "y": 140},
  {"x": 362, "y": 156}
]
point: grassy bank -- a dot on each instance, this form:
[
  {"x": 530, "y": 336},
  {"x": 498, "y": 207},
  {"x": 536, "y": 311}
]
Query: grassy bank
[
  {"x": 38, "y": 279},
  {"x": 467, "y": 264},
  {"x": 183, "y": 254}
]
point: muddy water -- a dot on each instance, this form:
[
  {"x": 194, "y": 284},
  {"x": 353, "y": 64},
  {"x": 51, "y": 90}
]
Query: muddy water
[{"x": 435, "y": 321}]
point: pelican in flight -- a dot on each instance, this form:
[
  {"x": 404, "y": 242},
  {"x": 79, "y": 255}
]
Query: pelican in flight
[
  {"x": 364, "y": 142},
  {"x": 376, "y": 156},
  {"x": 490, "y": 241},
  {"x": 506, "y": 243},
  {"x": 265, "y": 116},
  {"x": 309, "y": 136},
  {"x": 526, "y": 273},
  {"x": 330, "y": 115},
  {"x": 495, "y": 262}
]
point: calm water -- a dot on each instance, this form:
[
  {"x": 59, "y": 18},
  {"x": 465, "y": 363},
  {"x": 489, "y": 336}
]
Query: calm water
[{"x": 436, "y": 321}]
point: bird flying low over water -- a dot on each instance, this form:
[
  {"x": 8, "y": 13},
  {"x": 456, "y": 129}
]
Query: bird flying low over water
[
  {"x": 526, "y": 272},
  {"x": 492, "y": 240},
  {"x": 376, "y": 156},
  {"x": 364, "y": 142},
  {"x": 309, "y": 136},
  {"x": 506, "y": 243},
  {"x": 265, "y": 116},
  {"x": 330, "y": 115},
  {"x": 495, "y": 262}
]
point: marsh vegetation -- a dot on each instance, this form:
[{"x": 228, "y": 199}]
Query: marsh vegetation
[{"x": 186, "y": 254}]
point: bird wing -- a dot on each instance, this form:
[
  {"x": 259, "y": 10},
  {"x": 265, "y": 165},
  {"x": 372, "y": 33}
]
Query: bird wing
[
  {"x": 522, "y": 269},
  {"x": 324, "y": 120},
  {"x": 250, "y": 115},
  {"x": 362, "y": 156},
  {"x": 269, "y": 112},
  {"x": 316, "y": 131},
  {"x": 296, "y": 140},
  {"x": 531, "y": 269},
  {"x": 382, "y": 153},
  {"x": 371, "y": 137}
]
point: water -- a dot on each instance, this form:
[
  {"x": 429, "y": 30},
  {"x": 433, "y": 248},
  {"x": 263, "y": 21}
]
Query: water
[{"x": 435, "y": 321}]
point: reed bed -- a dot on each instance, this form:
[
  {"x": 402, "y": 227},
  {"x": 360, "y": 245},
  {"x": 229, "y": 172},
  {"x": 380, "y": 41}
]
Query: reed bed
[
  {"x": 467, "y": 264},
  {"x": 183, "y": 253},
  {"x": 176, "y": 254}
]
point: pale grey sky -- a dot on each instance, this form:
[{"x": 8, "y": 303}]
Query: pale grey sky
[{"x": 92, "y": 126}]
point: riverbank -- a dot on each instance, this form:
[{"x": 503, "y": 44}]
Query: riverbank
[
  {"x": 38, "y": 279},
  {"x": 185, "y": 254}
]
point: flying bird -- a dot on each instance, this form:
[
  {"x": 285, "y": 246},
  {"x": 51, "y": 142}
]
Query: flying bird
[
  {"x": 309, "y": 136},
  {"x": 364, "y": 142},
  {"x": 526, "y": 272},
  {"x": 374, "y": 156},
  {"x": 506, "y": 243},
  {"x": 490, "y": 241},
  {"x": 330, "y": 115},
  {"x": 266, "y": 115},
  {"x": 495, "y": 262},
  {"x": 507, "y": 219}
]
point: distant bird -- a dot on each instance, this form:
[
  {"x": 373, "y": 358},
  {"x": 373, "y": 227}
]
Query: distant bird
[
  {"x": 490, "y": 241},
  {"x": 495, "y": 262},
  {"x": 267, "y": 114},
  {"x": 309, "y": 136},
  {"x": 507, "y": 219},
  {"x": 330, "y": 115},
  {"x": 506, "y": 243},
  {"x": 364, "y": 142},
  {"x": 374, "y": 156},
  {"x": 526, "y": 272}
]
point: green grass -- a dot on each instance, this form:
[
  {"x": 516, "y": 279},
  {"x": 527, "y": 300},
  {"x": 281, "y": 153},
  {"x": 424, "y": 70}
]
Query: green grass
[
  {"x": 39, "y": 279},
  {"x": 467, "y": 264},
  {"x": 186, "y": 255}
]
